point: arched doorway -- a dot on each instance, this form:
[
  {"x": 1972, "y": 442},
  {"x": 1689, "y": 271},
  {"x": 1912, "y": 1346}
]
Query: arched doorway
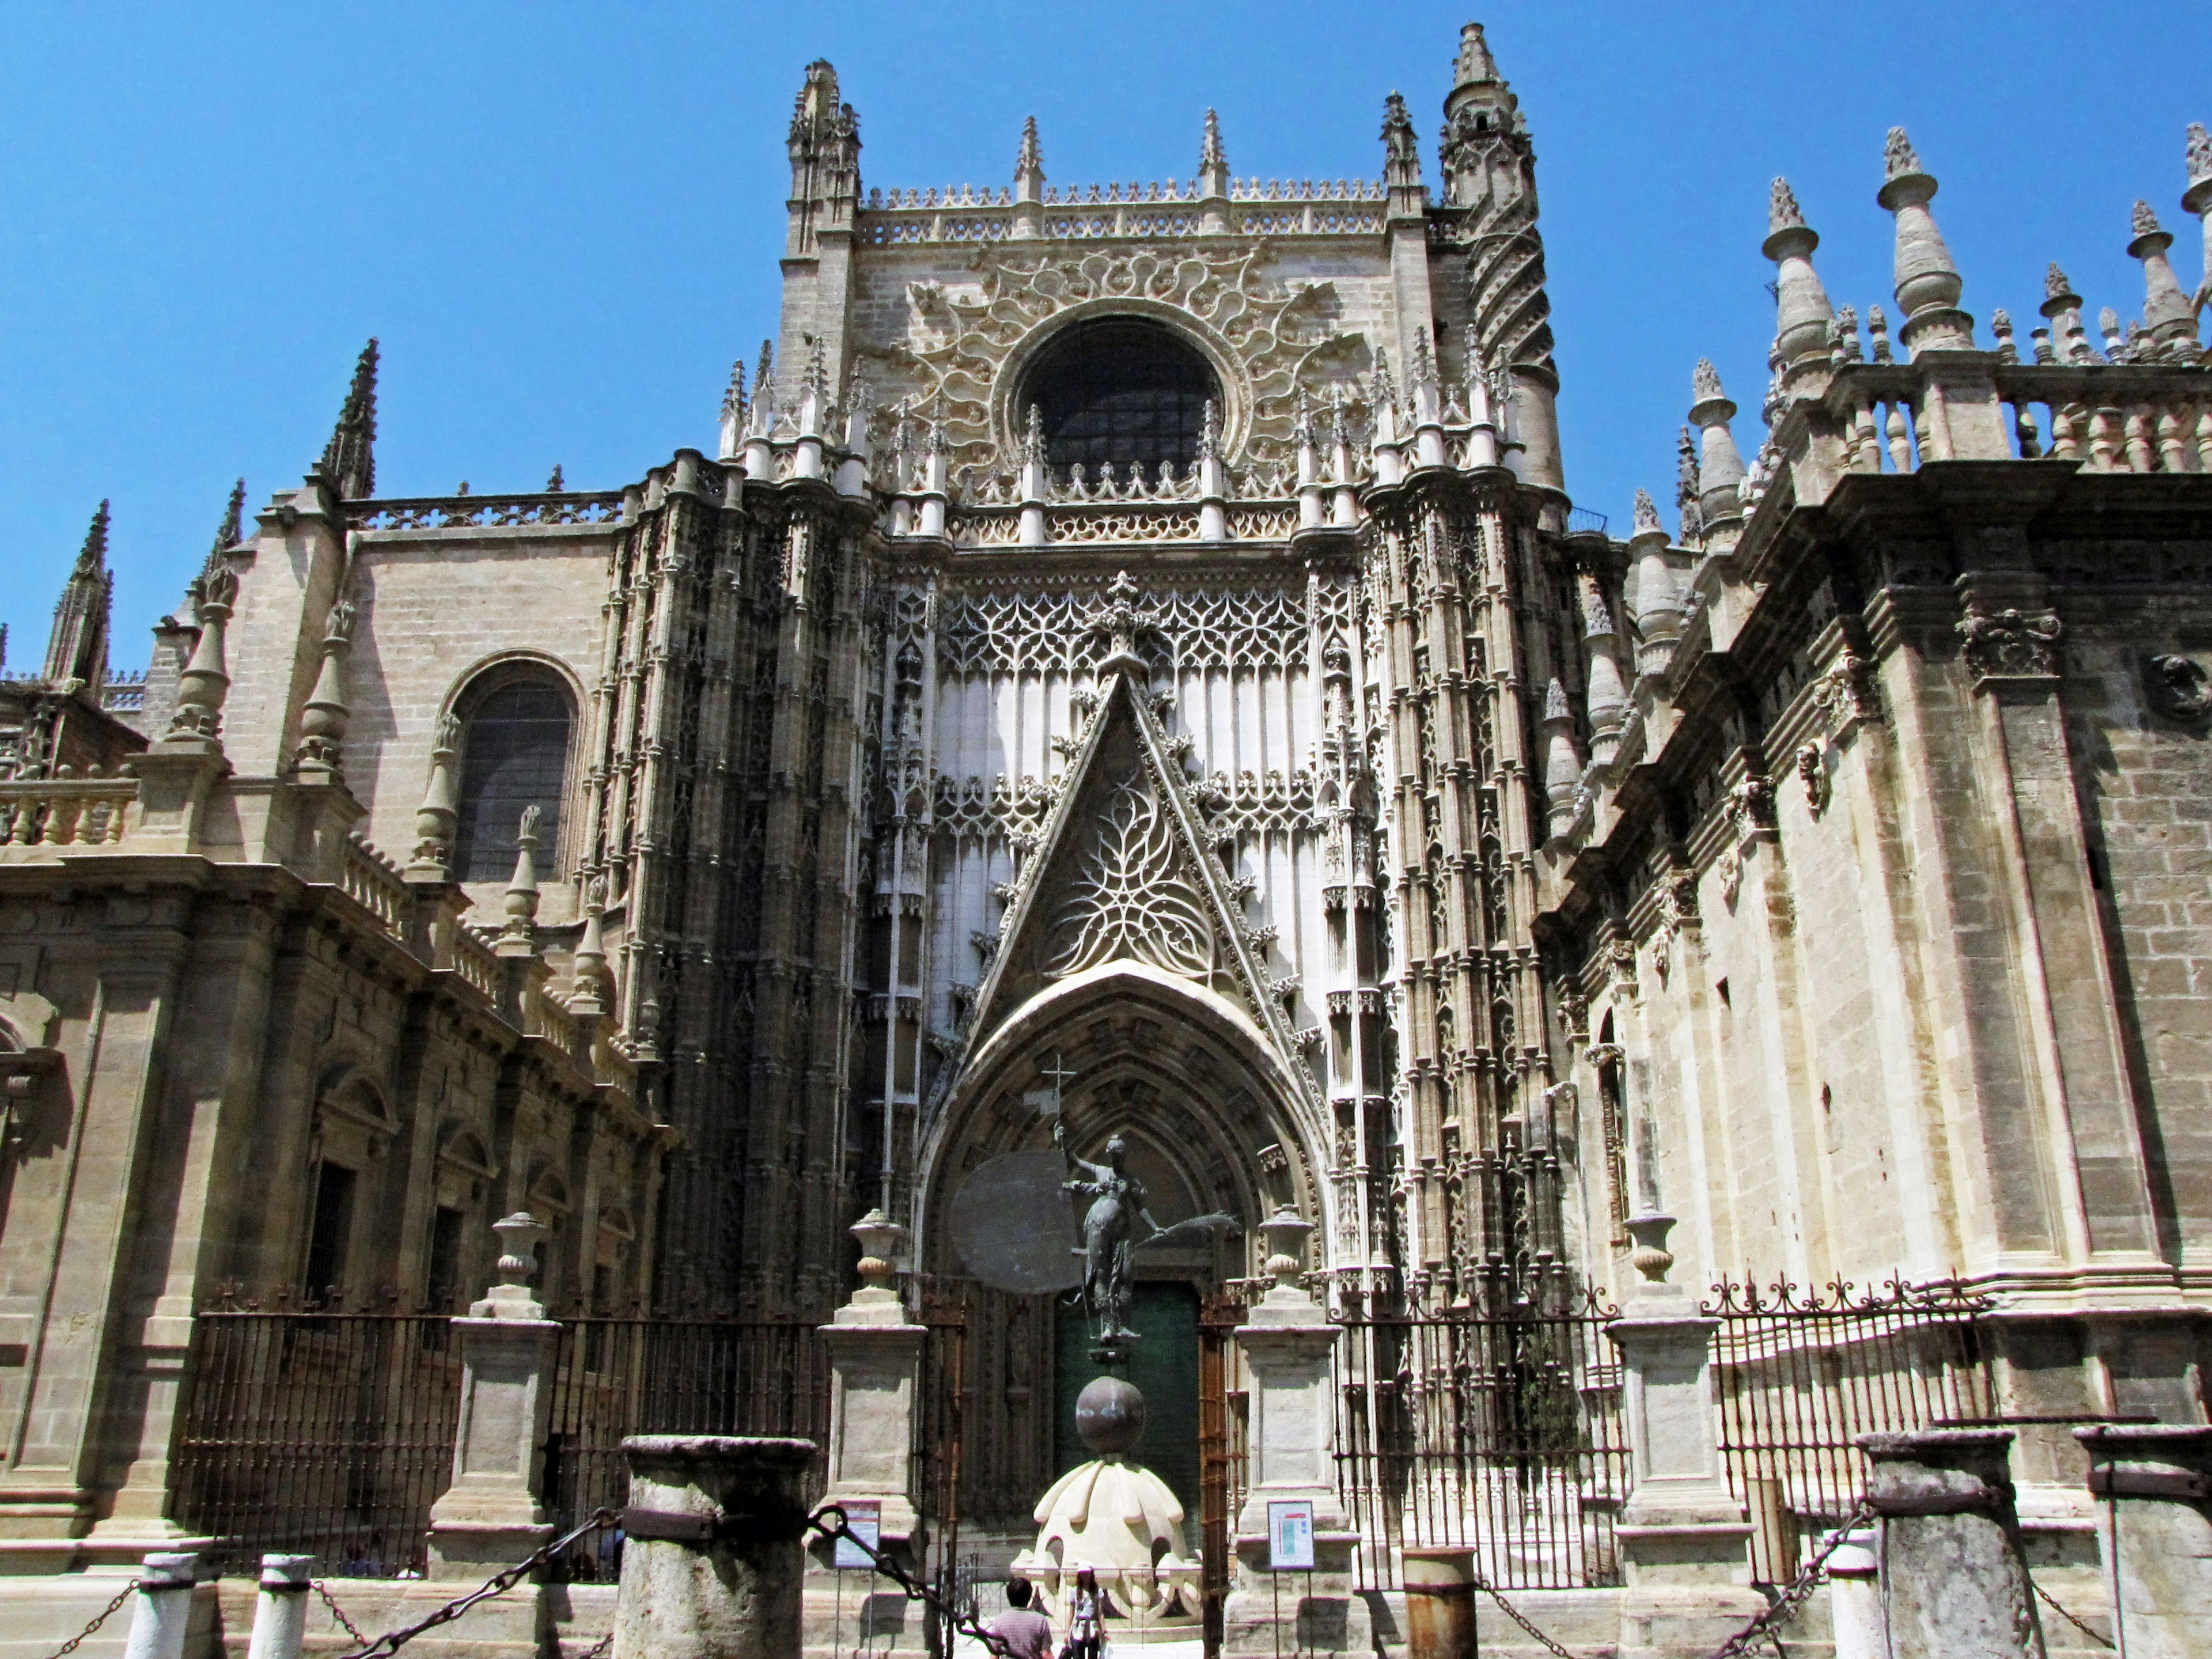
[{"x": 1213, "y": 1121}]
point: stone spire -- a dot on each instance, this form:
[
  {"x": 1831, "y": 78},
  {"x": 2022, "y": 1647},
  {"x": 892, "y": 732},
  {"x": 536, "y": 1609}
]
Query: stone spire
[
  {"x": 232, "y": 528},
  {"x": 2198, "y": 198},
  {"x": 328, "y": 711},
  {"x": 76, "y": 650},
  {"x": 349, "y": 458},
  {"x": 1720, "y": 466},
  {"x": 732, "y": 424},
  {"x": 1658, "y": 603},
  {"x": 1605, "y": 694},
  {"x": 1213, "y": 159},
  {"x": 436, "y": 818},
  {"x": 2166, "y": 311},
  {"x": 1563, "y": 766},
  {"x": 825, "y": 144},
  {"x": 1475, "y": 67},
  {"x": 1028, "y": 164},
  {"x": 1927, "y": 282},
  {"x": 1802, "y": 313}
]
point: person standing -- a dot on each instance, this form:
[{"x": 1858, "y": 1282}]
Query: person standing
[{"x": 1026, "y": 1632}]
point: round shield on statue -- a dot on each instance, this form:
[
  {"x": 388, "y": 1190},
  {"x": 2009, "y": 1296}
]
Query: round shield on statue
[{"x": 1013, "y": 1227}]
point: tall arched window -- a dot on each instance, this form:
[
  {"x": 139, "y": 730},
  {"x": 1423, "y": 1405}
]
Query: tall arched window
[
  {"x": 1120, "y": 390},
  {"x": 514, "y": 754}
]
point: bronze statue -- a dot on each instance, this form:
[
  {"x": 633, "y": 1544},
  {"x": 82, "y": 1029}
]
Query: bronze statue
[{"x": 1109, "y": 1237}]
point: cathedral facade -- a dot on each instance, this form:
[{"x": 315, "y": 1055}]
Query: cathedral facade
[{"x": 1132, "y": 658}]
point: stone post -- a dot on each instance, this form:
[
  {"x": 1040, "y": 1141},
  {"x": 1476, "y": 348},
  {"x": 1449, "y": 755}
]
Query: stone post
[
  {"x": 1685, "y": 1545},
  {"x": 1953, "y": 1585},
  {"x": 280, "y": 1612},
  {"x": 2154, "y": 1483},
  {"x": 1439, "y": 1581},
  {"x": 163, "y": 1611},
  {"x": 875, "y": 1358},
  {"x": 712, "y": 1560},
  {"x": 1855, "y": 1598},
  {"x": 490, "y": 1515},
  {"x": 1288, "y": 1345}
]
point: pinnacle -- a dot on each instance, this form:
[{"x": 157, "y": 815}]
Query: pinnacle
[
  {"x": 1032, "y": 157},
  {"x": 2199, "y": 153},
  {"x": 2055, "y": 283},
  {"x": 92, "y": 558},
  {"x": 1555, "y": 702},
  {"x": 1211, "y": 155},
  {"x": 1899, "y": 157},
  {"x": 1781, "y": 210},
  {"x": 1476, "y": 66},
  {"x": 556, "y": 485},
  {"x": 2145, "y": 222},
  {"x": 228, "y": 532},
  {"x": 1647, "y": 512},
  {"x": 1705, "y": 381},
  {"x": 349, "y": 458}
]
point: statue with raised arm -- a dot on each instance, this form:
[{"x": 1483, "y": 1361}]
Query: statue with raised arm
[{"x": 1111, "y": 1236}]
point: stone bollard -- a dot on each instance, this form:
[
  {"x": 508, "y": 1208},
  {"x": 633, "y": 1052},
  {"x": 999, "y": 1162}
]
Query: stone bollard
[
  {"x": 712, "y": 1560},
  {"x": 164, "y": 1608},
  {"x": 1439, "y": 1581},
  {"x": 1854, "y": 1597},
  {"x": 1954, "y": 1582},
  {"x": 280, "y": 1612},
  {"x": 2154, "y": 1482}
]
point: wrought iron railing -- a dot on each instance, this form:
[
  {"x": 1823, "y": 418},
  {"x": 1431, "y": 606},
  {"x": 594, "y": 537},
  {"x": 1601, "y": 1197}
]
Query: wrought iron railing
[
  {"x": 1495, "y": 1424},
  {"x": 314, "y": 1433},
  {"x": 1797, "y": 1376}
]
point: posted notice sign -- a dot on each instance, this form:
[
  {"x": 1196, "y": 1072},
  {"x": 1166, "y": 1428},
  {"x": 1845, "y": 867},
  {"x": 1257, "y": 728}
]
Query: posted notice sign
[
  {"x": 866, "y": 1522},
  {"x": 1290, "y": 1535}
]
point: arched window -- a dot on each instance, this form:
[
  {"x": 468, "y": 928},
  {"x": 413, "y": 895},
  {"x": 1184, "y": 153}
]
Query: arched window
[
  {"x": 514, "y": 753},
  {"x": 1120, "y": 390}
]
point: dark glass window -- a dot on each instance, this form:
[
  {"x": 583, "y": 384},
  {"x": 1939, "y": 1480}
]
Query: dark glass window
[
  {"x": 444, "y": 1295},
  {"x": 514, "y": 753},
  {"x": 328, "y": 1231},
  {"x": 1120, "y": 390}
]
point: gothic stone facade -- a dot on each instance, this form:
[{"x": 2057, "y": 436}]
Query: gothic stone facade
[{"x": 1335, "y": 809}]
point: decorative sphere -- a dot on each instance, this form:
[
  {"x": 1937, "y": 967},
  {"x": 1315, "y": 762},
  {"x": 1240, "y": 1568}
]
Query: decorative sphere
[{"x": 1109, "y": 1414}]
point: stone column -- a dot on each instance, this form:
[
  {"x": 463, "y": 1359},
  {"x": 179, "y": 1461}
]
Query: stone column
[
  {"x": 490, "y": 1515},
  {"x": 875, "y": 1358},
  {"x": 163, "y": 1612},
  {"x": 1288, "y": 1345},
  {"x": 1954, "y": 1585},
  {"x": 2154, "y": 1481},
  {"x": 1685, "y": 1545},
  {"x": 712, "y": 1565},
  {"x": 280, "y": 1612}
]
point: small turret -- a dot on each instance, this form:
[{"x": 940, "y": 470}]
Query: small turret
[
  {"x": 1212, "y": 180},
  {"x": 1927, "y": 282},
  {"x": 1028, "y": 185}
]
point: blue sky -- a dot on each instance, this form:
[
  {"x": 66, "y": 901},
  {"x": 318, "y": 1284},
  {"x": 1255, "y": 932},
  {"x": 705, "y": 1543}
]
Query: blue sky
[{"x": 563, "y": 221}]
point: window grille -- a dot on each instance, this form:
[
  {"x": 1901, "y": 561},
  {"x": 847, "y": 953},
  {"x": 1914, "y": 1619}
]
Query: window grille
[
  {"x": 514, "y": 754},
  {"x": 1119, "y": 392}
]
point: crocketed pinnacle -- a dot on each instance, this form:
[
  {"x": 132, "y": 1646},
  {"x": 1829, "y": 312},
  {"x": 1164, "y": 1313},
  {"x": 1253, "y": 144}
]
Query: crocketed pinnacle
[
  {"x": 91, "y": 557},
  {"x": 1030, "y": 159},
  {"x": 1211, "y": 155},
  {"x": 349, "y": 458},
  {"x": 733, "y": 395},
  {"x": 1781, "y": 210},
  {"x": 1476, "y": 66},
  {"x": 1899, "y": 156},
  {"x": 227, "y": 533}
]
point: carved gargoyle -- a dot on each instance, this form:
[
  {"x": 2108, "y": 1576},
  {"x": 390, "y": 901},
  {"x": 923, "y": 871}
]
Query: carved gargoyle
[{"x": 2178, "y": 687}]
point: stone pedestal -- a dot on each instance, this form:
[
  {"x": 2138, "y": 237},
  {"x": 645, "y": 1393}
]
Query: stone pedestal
[
  {"x": 1288, "y": 1345},
  {"x": 2154, "y": 1487},
  {"x": 1954, "y": 1584},
  {"x": 490, "y": 1515},
  {"x": 713, "y": 1563}
]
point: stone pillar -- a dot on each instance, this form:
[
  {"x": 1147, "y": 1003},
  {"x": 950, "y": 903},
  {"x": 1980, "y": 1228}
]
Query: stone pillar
[
  {"x": 163, "y": 1611},
  {"x": 2154, "y": 1483},
  {"x": 1684, "y": 1542},
  {"x": 1288, "y": 1343},
  {"x": 875, "y": 1358},
  {"x": 712, "y": 1562},
  {"x": 280, "y": 1612},
  {"x": 1954, "y": 1585},
  {"x": 490, "y": 1515},
  {"x": 1855, "y": 1598},
  {"x": 1439, "y": 1581}
]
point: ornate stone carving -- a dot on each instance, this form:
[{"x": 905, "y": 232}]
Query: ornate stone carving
[
  {"x": 1269, "y": 337},
  {"x": 1846, "y": 694},
  {"x": 1129, "y": 897},
  {"x": 1186, "y": 628},
  {"x": 1813, "y": 773},
  {"x": 2178, "y": 687},
  {"x": 2011, "y": 644}
]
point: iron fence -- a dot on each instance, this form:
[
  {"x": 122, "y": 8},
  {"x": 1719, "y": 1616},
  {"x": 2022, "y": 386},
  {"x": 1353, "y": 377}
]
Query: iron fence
[
  {"x": 641, "y": 1374},
  {"x": 1493, "y": 1424},
  {"x": 1797, "y": 1376},
  {"x": 317, "y": 1433}
]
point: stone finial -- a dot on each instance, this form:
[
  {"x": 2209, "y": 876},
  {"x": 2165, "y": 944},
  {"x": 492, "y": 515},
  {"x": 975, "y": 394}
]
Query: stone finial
[
  {"x": 1563, "y": 763},
  {"x": 327, "y": 712},
  {"x": 1650, "y": 1258},
  {"x": 2001, "y": 328},
  {"x": 1212, "y": 159},
  {"x": 1647, "y": 514},
  {"x": 1781, "y": 210},
  {"x": 1421, "y": 364},
  {"x": 733, "y": 395},
  {"x": 587, "y": 989},
  {"x": 1843, "y": 335},
  {"x": 229, "y": 532},
  {"x": 522, "y": 891},
  {"x": 554, "y": 484},
  {"x": 1899, "y": 157},
  {"x": 1209, "y": 433},
  {"x": 349, "y": 460},
  {"x": 1720, "y": 468},
  {"x": 1401, "y": 149},
  {"x": 2108, "y": 325},
  {"x": 1705, "y": 381},
  {"x": 197, "y": 726},
  {"x": 1597, "y": 616},
  {"x": 1476, "y": 66},
  {"x": 2168, "y": 316},
  {"x": 2055, "y": 287},
  {"x": 1878, "y": 331},
  {"x": 437, "y": 817},
  {"x": 1555, "y": 703},
  {"x": 92, "y": 556},
  {"x": 1030, "y": 159},
  {"x": 1927, "y": 282},
  {"x": 1033, "y": 436},
  {"x": 2199, "y": 154},
  {"x": 519, "y": 1235},
  {"x": 1801, "y": 308}
]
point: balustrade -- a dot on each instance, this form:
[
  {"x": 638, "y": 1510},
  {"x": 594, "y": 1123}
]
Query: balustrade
[{"x": 65, "y": 811}]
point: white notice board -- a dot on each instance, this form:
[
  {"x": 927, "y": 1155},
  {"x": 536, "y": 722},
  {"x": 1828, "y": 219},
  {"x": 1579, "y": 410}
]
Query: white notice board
[{"x": 1290, "y": 1535}]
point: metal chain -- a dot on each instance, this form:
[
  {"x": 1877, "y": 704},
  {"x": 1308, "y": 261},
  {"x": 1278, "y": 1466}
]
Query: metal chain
[
  {"x": 105, "y": 1613},
  {"x": 1794, "y": 1595},
  {"x": 2046, "y": 1597},
  {"x": 339, "y": 1612},
  {"x": 1515, "y": 1614},
  {"x": 500, "y": 1582},
  {"x": 598, "y": 1649},
  {"x": 962, "y": 1624}
]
